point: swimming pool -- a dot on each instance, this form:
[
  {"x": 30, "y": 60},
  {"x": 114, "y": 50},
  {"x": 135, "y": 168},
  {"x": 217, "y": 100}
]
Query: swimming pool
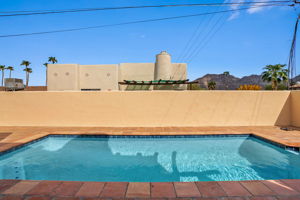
[{"x": 150, "y": 159}]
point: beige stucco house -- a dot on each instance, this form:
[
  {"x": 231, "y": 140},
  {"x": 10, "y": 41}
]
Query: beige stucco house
[{"x": 62, "y": 77}]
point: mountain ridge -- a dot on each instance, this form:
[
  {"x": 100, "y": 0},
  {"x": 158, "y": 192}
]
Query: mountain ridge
[{"x": 230, "y": 82}]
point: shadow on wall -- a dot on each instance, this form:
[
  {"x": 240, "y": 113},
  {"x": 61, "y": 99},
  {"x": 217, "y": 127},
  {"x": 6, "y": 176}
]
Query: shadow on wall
[
  {"x": 284, "y": 117},
  {"x": 156, "y": 87},
  {"x": 168, "y": 87},
  {"x": 137, "y": 87}
]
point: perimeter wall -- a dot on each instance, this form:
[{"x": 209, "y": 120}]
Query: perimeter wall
[
  {"x": 150, "y": 108},
  {"x": 295, "y": 108}
]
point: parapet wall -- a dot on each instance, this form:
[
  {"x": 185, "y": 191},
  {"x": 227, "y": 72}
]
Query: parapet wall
[{"x": 149, "y": 109}]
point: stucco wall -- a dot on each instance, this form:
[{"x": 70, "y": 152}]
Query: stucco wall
[
  {"x": 147, "y": 109},
  {"x": 103, "y": 77},
  {"x": 62, "y": 77},
  {"x": 295, "y": 108},
  {"x": 135, "y": 71},
  {"x": 74, "y": 77}
]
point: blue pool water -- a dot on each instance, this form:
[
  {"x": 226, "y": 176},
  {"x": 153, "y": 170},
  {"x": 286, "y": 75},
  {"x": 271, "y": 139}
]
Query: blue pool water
[{"x": 150, "y": 159}]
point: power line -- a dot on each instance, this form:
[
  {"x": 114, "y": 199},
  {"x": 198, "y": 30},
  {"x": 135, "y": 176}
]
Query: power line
[
  {"x": 45, "y": 12},
  {"x": 126, "y": 23},
  {"x": 217, "y": 26},
  {"x": 196, "y": 43},
  {"x": 189, "y": 43},
  {"x": 193, "y": 46},
  {"x": 292, "y": 56}
]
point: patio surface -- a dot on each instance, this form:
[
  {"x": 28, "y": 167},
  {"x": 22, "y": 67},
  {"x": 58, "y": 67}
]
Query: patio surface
[
  {"x": 68, "y": 190},
  {"x": 238, "y": 190}
]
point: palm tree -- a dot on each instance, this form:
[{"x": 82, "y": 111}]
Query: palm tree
[
  {"x": 46, "y": 65},
  {"x": 26, "y": 64},
  {"x": 10, "y": 68},
  {"x": 275, "y": 74},
  {"x": 2, "y": 68},
  {"x": 211, "y": 85},
  {"x": 52, "y": 60},
  {"x": 226, "y": 74},
  {"x": 28, "y": 71}
]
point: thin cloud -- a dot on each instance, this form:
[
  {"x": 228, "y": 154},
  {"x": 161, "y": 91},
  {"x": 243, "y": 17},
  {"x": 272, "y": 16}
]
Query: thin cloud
[
  {"x": 253, "y": 10},
  {"x": 256, "y": 9},
  {"x": 235, "y": 14}
]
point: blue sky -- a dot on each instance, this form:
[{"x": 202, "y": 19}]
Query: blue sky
[{"x": 241, "y": 43}]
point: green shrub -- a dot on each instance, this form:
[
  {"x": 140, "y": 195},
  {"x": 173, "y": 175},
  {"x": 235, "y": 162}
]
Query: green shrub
[
  {"x": 195, "y": 87},
  {"x": 280, "y": 87}
]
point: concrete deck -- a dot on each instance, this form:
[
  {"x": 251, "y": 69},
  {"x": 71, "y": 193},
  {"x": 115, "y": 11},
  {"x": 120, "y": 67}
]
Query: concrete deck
[{"x": 54, "y": 190}]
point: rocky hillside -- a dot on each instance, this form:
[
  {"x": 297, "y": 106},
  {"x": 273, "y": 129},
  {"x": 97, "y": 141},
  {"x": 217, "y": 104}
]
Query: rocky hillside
[
  {"x": 296, "y": 79},
  {"x": 230, "y": 82}
]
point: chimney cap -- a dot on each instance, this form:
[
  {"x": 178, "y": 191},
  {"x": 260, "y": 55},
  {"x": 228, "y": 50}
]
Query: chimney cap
[{"x": 164, "y": 53}]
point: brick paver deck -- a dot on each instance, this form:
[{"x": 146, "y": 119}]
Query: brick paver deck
[
  {"x": 74, "y": 190},
  {"x": 280, "y": 189}
]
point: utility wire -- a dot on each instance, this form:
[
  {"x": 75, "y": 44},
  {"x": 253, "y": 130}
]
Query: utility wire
[
  {"x": 127, "y": 23},
  {"x": 292, "y": 56},
  {"x": 44, "y": 12},
  {"x": 217, "y": 27},
  {"x": 189, "y": 43},
  {"x": 197, "y": 42},
  {"x": 194, "y": 41}
]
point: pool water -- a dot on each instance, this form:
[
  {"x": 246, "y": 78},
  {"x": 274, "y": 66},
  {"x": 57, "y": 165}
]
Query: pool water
[{"x": 150, "y": 159}]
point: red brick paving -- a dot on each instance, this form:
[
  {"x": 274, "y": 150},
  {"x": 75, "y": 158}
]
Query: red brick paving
[
  {"x": 234, "y": 188},
  {"x": 210, "y": 189},
  {"x": 44, "y": 188},
  {"x": 162, "y": 190},
  {"x": 67, "y": 198},
  {"x": 225, "y": 190},
  {"x": 257, "y": 188},
  {"x": 188, "y": 189},
  {"x": 289, "y": 198},
  {"x": 38, "y": 198},
  {"x": 139, "y": 190},
  {"x": 5, "y": 184},
  {"x": 280, "y": 187},
  {"x": 90, "y": 189},
  {"x": 294, "y": 183},
  {"x": 21, "y": 187},
  {"x": 114, "y": 190},
  {"x": 67, "y": 188},
  {"x": 11, "y": 198},
  {"x": 263, "y": 198}
]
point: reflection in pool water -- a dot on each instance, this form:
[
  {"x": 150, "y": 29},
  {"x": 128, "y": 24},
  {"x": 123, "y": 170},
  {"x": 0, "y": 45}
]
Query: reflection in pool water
[{"x": 150, "y": 159}]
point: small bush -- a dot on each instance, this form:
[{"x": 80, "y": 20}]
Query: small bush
[
  {"x": 211, "y": 85},
  {"x": 249, "y": 87},
  {"x": 195, "y": 87},
  {"x": 280, "y": 87}
]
